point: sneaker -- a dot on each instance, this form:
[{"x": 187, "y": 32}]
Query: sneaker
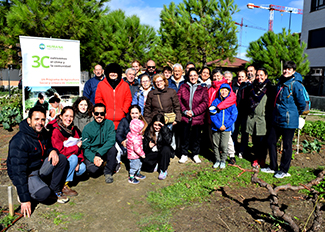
[
  {"x": 232, "y": 161},
  {"x": 216, "y": 165},
  {"x": 118, "y": 167},
  {"x": 240, "y": 155},
  {"x": 183, "y": 159},
  {"x": 267, "y": 170},
  {"x": 139, "y": 176},
  {"x": 255, "y": 164},
  {"x": 281, "y": 174},
  {"x": 133, "y": 180},
  {"x": 196, "y": 159},
  {"x": 222, "y": 164},
  {"x": 67, "y": 191},
  {"x": 156, "y": 168},
  {"x": 61, "y": 198},
  {"x": 162, "y": 175},
  {"x": 108, "y": 178}
]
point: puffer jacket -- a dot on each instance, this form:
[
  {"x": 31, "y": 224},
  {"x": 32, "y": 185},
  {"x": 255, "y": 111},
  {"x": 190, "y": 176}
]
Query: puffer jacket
[
  {"x": 225, "y": 117},
  {"x": 169, "y": 101},
  {"x": 59, "y": 136},
  {"x": 134, "y": 87},
  {"x": 81, "y": 120},
  {"x": 199, "y": 102},
  {"x": 290, "y": 103},
  {"x": 164, "y": 138},
  {"x": 98, "y": 138},
  {"x": 117, "y": 101},
  {"x": 214, "y": 91},
  {"x": 27, "y": 151},
  {"x": 173, "y": 85},
  {"x": 122, "y": 130},
  {"x": 138, "y": 99},
  {"x": 134, "y": 140}
]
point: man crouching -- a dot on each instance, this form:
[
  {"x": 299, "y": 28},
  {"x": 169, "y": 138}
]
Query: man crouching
[{"x": 34, "y": 167}]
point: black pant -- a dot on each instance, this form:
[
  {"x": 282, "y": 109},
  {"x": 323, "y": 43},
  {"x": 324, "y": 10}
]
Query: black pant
[
  {"x": 260, "y": 148},
  {"x": 110, "y": 158},
  {"x": 287, "y": 136},
  {"x": 191, "y": 135},
  {"x": 240, "y": 122},
  {"x": 161, "y": 157}
]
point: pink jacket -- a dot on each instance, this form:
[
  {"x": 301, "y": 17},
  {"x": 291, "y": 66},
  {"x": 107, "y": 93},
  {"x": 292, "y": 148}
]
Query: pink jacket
[{"x": 134, "y": 140}]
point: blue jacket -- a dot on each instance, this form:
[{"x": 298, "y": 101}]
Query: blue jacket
[
  {"x": 122, "y": 130},
  {"x": 287, "y": 109},
  {"x": 138, "y": 99},
  {"x": 90, "y": 89},
  {"x": 172, "y": 83},
  {"x": 225, "y": 117}
]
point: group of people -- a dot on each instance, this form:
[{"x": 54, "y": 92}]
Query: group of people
[{"x": 150, "y": 117}]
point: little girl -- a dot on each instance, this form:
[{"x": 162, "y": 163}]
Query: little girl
[{"x": 135, "y": 150}]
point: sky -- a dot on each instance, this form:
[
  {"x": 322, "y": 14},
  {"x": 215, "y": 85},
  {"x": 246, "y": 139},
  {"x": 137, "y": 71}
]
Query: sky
[{"x": 148, "y": 11}]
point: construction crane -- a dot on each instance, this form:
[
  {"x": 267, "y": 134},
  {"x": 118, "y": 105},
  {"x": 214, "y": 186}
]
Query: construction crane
[{"x": 273, "y": 8}]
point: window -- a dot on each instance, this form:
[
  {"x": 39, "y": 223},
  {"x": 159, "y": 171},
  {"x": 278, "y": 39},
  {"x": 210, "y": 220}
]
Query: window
[
  {"x": 316, "y": 71},
  {"x": 316, "y": 38},
  {"x": 317, "y": 5}
]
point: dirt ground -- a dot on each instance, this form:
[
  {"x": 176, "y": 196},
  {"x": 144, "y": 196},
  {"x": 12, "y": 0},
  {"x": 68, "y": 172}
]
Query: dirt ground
[{"x": 120, "y": 206}]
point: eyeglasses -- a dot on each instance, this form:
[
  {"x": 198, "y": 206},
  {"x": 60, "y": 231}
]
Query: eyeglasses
[
  {"x": 159, "y": 81},
  {"x": 153, "y": 67},
  {"x": 147, "y": 81},
  {"x": 99, "y": 113}
]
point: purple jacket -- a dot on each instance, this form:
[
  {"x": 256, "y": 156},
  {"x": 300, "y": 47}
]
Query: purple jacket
[{"x": 200, "y": 102}]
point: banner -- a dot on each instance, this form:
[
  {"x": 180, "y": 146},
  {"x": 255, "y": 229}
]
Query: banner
[{"x": 50, "y": 62}]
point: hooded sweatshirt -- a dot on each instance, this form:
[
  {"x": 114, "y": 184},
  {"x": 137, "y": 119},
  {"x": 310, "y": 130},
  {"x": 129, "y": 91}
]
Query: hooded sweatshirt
[{"x": 134, "y": 140}]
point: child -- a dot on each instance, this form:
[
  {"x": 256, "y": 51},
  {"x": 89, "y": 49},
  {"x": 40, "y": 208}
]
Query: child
[
  {"x": 135, "y": 150},
  {"x": 221, "y": 125}
]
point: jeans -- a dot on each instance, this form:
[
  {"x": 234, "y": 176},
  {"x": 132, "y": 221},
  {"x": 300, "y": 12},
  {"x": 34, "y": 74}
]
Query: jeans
[
  {"x": 73, "y": 162},
  {"x": 135, "y": 166}
]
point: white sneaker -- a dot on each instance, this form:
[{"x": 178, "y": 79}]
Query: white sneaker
[
  {"x": 183, "y": 159},
  {"x": 196, "y": 159}
]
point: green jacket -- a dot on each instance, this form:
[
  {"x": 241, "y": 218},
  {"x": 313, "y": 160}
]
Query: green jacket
[
  {"x": 257, "y": 120},
  {"x": 98, "y": 138}
]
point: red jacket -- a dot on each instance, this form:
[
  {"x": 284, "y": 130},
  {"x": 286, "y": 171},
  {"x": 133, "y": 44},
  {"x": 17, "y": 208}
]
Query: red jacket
[
  {"x": 213, "y": 94},
  {"x": 58, "y": 138},
  {"x": 117, "y": 101}
]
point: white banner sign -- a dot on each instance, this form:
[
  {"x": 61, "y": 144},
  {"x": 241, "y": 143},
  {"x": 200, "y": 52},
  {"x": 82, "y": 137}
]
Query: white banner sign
[{"x": 50, "y": 62}]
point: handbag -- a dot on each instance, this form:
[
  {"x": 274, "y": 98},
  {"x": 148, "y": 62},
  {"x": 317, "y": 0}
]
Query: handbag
[{"x": 169, "y": 117}]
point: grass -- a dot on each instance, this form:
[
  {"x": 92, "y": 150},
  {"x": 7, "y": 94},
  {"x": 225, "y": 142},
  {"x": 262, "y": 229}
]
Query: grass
[{"x": 196, "y": 186}]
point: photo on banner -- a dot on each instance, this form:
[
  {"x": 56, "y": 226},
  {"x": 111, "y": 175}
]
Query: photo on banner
[{"x": 51, "y": 73}]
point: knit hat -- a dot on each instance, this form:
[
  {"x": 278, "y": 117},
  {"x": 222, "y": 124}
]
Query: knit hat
[{"x": 113, "y": 68}]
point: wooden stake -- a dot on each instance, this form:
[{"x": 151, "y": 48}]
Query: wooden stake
[{"x": 11, "y": 205}]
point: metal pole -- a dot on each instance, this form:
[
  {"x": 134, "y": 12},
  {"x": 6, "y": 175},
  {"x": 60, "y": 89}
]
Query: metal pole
[
  {"x": 11, "y": 205},
  {"x": 290, "y": 21},
  {"x": 9, "y": 66}
]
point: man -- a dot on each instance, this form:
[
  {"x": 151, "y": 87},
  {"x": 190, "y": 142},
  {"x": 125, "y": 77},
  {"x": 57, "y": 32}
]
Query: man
[
  {"x": 98, "y": 143},
  {"x": 289, "y": 104},
  {"x": 251, "y": 73},
  {"x": 177, "y": 79},
  {"x": 150, "y": 70},
  {"x": 31, "y": 160},
  {"x": 91, "y": 85},
  {"x": 114, "y": 93},
  {"x": 130, "y": 79}
]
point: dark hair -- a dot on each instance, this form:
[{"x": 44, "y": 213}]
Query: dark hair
[
  {"x": 192, "y": 69},
  {"x": 134, "y": 106},
  {"x": 55, "y": 98},
  {"x": 99, "y": 105},
  {"x": 80, "y": 99},
  {"x": 40, "y": 96},
  {"x": 167, "y": 68},
  {"x": 216, "y": 70},
  {"x": 36, "y": 109},
  {"x": 205, "y": 67},
  {"x": 188, "y": 63},
  {"x": 159, "y": 118},
  {"x": 262, "y": 69},
  {"x": 289, "y": 65},
  {"x": 113, "y": 68},
  {"x": 65, "y": 109},
  {"x": 244, "y": 71},
  {"x": 140, "y": 116}
]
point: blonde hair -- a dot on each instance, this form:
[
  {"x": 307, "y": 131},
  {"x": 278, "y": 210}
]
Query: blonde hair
[{"x": 156, "y": 77}]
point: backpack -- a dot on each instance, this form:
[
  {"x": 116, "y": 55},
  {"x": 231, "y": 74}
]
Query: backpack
[{"x": 306, "y": 97}]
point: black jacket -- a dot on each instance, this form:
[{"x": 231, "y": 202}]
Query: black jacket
[
  {"x": 122, "y": 131},
  {"x": 164, "y": 139},
  {"x": 27, "y": 151}
]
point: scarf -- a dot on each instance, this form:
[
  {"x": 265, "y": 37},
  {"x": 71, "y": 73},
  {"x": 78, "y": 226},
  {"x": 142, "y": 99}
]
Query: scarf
[
  {"x": 66, "y": 131},
  {"x": 257, "y": 93}
]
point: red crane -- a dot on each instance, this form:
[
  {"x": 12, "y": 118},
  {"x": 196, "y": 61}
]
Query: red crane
[{"x": 273, "y": 8}]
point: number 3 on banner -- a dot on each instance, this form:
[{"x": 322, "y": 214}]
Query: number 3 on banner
[{"x": 38, "y": 63}]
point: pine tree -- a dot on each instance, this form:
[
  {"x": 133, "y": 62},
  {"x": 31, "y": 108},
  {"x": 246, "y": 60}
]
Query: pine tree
[
  {"x": 199, "y": 31},
  {"x": 124, "y": 39},
  {"x": 6, "y": 49},
  {"x": 270, "y": 49}
]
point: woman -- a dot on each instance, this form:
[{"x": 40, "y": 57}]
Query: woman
[
  {"x": 83, "y": 109},
  {"x": 205, "y": 77},
  {"x": 140, "y": 97},
  {"x": 55, "y": 106},
  {"x": 63, "y": 129},
  {"x": 136, "y": 65},
  {"x": 162, "y": 100},
  {"x": 124, "y": 127},
  {"x": 193, "y": 99},
  {"x": 258, "y": 102},
  {"x": 156, "y": 145}
]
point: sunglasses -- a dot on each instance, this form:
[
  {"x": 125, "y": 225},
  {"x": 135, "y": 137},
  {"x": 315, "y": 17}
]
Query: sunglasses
[
  {"x": 99, "y": 113},
  {"x": 153, "y": 67}
]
